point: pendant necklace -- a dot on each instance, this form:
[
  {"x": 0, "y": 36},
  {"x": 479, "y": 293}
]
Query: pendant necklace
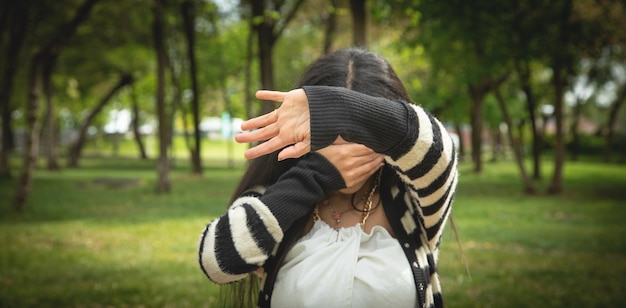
[{"x": 335, "y": 214}]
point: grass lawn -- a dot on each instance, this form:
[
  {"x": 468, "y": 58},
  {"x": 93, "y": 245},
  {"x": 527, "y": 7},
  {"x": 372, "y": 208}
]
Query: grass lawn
[{"x": 99, "y": 236}]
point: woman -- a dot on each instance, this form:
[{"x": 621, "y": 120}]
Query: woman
[{"x": 345, "y": 203}]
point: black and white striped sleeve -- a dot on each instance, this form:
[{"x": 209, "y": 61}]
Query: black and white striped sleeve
[
  {"x": 414, "y": 142},
  {"x": 241, "y": 240}
]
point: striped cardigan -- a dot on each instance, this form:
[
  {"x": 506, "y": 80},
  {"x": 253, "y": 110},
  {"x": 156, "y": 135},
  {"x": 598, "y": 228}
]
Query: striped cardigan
[{"x": 417, "y": 190}]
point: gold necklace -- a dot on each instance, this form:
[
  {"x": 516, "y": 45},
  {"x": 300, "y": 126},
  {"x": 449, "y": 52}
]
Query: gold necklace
[
  {"x": 365, "y": 213},
  {"x": 335, "y": 214}
]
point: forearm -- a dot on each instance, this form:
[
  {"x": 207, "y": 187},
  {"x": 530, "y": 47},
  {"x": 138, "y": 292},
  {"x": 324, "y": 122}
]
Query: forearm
[
  {"x": 378, "y": 123},
  {"x": 241, "y": 240},
  {"x": 412, "y": 140}
]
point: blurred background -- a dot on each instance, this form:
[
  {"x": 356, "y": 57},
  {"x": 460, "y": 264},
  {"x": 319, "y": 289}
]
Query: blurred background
[{"x": 117, "y": 123}]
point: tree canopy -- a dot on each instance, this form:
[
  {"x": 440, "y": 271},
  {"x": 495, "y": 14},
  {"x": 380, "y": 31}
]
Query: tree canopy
[{"x": 536, "y": 69}]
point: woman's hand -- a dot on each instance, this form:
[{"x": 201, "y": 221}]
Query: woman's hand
[
  {"x": 287, "y": 127},
  {"x": 355, "y": 162}
]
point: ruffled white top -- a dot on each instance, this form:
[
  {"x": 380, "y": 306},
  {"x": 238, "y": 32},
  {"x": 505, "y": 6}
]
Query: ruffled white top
[{"x": 345, "y": 268}]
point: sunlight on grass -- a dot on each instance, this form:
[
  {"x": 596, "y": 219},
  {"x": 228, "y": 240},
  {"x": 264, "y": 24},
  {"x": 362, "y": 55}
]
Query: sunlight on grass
[
  {"x": 538, "y": 251},
  {"x": 100, "y": 236}
]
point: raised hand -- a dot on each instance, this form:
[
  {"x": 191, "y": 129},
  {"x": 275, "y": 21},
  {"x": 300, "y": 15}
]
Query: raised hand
[
  {"x": 355, "y": 162},
  {"x": 287, "y": 127}
]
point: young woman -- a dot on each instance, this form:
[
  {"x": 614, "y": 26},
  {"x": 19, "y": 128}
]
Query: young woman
[{"x": 345, "y": 203}]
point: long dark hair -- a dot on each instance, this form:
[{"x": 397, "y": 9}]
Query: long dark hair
[{"x": 353, "y": 68}]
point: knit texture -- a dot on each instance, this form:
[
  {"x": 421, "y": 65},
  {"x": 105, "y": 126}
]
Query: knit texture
[
  {"x": 240, "y": 241},
  {"x": 419, "y": 183},
  {"x": 356, "y": 118}
]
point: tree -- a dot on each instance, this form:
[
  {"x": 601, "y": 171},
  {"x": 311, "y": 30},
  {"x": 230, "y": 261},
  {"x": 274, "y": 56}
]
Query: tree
[
  {"x": 163, "y": 182},
  {"x": 359, "y": 22},
  {"x": 330, "y": 18},
  {"x": 269, "y": 24},
  {"x": 612, "y": 121},
  {"x": 43, "y": 57},
  {"x": 529, "y": 187},
  {"x": 463, "y": 40},
  {"x": 136, "y": 123},
  {"x": 15, "y": 21},
  {"x": 75, "y": 149},
  {"x": 187, "y": 12}
]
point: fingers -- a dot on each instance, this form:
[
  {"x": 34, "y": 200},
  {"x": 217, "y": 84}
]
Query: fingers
[
  {"x": 362, "y": 171},
  {"x": 267, "y": 95},
  {"x": 260, "y": 121},
  {"x": 261, "y": 134},
  {"x": 264, "y": 148},
  {"x": 295, "y": 151}
]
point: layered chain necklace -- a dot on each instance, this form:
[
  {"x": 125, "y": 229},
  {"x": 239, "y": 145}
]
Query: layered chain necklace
[{"x": 368, "y": 207}]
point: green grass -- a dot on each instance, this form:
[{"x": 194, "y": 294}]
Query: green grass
[
  {"x": 99, "y": 236},
  {"x": 538, "y": 251}
]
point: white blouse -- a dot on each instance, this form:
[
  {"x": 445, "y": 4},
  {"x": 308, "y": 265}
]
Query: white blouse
[{"x": 345, "y": 268}]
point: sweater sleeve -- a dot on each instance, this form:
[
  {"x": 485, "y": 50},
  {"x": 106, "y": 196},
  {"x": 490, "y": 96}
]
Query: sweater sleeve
[
  {"x": 241, "y": 240},
  {"x": 414, "y": 143}
]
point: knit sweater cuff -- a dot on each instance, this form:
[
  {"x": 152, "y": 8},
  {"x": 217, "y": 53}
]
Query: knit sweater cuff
[
  {"x": 301, "y": 187},
  {"x": 378, "y": 123}
]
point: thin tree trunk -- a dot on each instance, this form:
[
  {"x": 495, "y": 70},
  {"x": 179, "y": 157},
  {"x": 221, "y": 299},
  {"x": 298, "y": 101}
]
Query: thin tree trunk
[
  {"x": 15, "y": 17},
  {"x": 574, "y": 129},
  {"x": 267, "y": 34},
  {"x": 331, "y": 25},
  {"x": 178, "y": 106},
  {"x": 556, "y": 184},
  {"x": 31, "y": 146},
  {"x": 250, "y": 113},
  {"x": 265, "y": 41},
  {"x": 135, "y": 125},
  {"x": 459, "y": 132},
  {"x": 163, "y": 181},
  {"x": 54, "y": 46},
  {"x": 49, "y": 132},
  {"x": 558, "y": 81},
  {"x": 187, "y": 8},
  {"x": 529, "y": 188},
  {"x": 610, "y": 128},
  {"x": 476, "y": 118},
  {"x": 359, "y": 23},
  {"x": 76, "y": 148},
  {"x": 524, "y": 73}
]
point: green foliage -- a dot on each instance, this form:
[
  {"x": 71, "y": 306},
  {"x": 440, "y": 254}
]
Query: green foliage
[{"x": 100, "y": 236}]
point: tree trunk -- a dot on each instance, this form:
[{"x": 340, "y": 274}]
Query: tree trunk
[
  {"x": 177, "y": 105},
  {"x": 459, "y": 132},
  {"x": 529, "y": 188},
  {"x": 524, "y": 73},
  {"x": 135, "y": 125},
  {"x": 559, "y": 76},
  {"x": 31, "y": 145},
  {"x": 610, "y": 126},
  {"x": 163, "y": 181},
  {"x": 265, "y": 41},
  {"x": 31, "y": 148},
  {"x": 76, "y": 148},
  {"x": 187, "y": 9},
  {"x": 16, "y": 22},
  {"x": 250, "y": 113},
  {"x": 49, "y": 132},
  {"x": 575, "y": 149},
  {"x": 359, "y": 23},
  {"x": 477, "y": 95},
  {"x": 267, "y": 35},
  {"x": 556, "y": 184},
  {"x": 331, "y": 25}
]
